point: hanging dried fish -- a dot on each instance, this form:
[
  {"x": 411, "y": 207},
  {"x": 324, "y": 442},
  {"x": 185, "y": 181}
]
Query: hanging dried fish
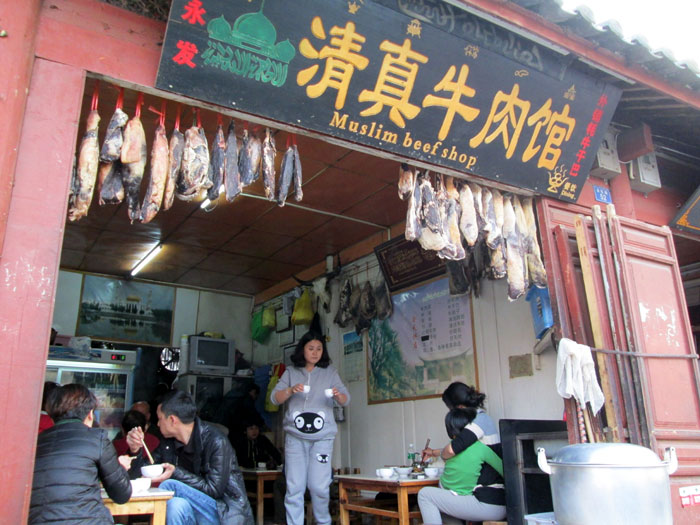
[
  {"x": 286, "y": 175},
  {"x": 269, "y": 152},
  {"x": 457, "y": 277},
  {"x": 298, "y": 193},
  {"x": 382, "y": 296},
  {"x": 217, "y": 163},
  {"x": 536, "y": 271},
  {"x": 232, "y": 177},
  {"x": 343, "y": 316},
  {"x": 110, "y": 186},
  {"x": 175, "y": 150},
  {"x": 160, "y": 156},
  {"x": 88, "y": 160},
  {"x": 407, "y": 180},
  {"x": 515, "y": 267},
  {"x": 249, "y": 158},
  {"x": 413, "y": 225},
  {"x": 195, "y": 164}
]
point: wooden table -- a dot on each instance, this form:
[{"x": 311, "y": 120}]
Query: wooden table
[
  {"x": 401, "y": 487},
  {"x": 151, "y": 502},
  {"x": 260, "y": 476}
]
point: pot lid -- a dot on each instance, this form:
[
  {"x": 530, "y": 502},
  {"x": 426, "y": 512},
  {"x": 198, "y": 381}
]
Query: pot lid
[{"x": 612, "y": 454}]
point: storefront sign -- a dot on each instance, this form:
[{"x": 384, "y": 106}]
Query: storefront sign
[
  {"x": 688, "y": 218},
  {"x": 405, "y": 263},
  {"x": 392, "y": 75}
]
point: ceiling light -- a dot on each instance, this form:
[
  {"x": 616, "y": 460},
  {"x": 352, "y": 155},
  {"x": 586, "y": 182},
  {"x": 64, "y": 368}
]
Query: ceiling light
[{"x": 151, "y": 255}]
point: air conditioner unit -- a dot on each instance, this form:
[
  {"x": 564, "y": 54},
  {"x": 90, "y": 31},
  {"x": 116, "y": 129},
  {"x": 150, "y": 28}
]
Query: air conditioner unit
[
  {"x": 606, "y": 164},
  {"x": 644, "y": 173}
]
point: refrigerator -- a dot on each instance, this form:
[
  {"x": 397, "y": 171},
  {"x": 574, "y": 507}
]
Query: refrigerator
[{"x": 107, "y": 373}]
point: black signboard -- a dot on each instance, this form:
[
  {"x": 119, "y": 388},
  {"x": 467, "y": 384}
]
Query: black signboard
[
  {"x": 390, "y": 78},
  {"x": 688, "y": 218},
  {"x": 405, "y": 263}
]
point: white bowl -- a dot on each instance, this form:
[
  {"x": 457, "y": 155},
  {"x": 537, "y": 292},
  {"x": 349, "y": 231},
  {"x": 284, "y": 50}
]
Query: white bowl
[
  {"x": 152, "y": 471},
  {"x": 385, "y": 473},
  {"x": 403, "y": 472},
  {"x": 432, "y": 472},
  {"x": 140, "y": 485}
]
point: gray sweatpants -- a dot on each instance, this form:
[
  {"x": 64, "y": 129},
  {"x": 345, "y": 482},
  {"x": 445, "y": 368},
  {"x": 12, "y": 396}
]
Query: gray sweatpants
[
  {"x": 307, "y": 464},
  {"x": 438, "y": 505}
]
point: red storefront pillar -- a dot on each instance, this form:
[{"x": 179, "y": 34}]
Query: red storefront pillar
[
  {"x": 29, "y": 269},
  {"x": 18, "y": 27}
]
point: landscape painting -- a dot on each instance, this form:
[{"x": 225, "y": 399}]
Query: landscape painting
[{"x": 118, "y": 310}]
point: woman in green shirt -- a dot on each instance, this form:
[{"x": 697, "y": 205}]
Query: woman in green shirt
[{"x": 454, "y": 501}]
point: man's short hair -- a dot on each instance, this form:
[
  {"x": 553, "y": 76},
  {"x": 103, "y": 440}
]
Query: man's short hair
[
  {"x": 72, "y": 401},
  {"x": 180, "y": 404}
]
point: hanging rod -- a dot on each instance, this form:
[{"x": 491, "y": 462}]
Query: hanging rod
[{"x": 313, "y": 210}]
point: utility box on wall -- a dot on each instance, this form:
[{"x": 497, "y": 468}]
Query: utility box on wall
[
  {"x": 644, "y": 174},
  {"x": 606, "y": 164}
]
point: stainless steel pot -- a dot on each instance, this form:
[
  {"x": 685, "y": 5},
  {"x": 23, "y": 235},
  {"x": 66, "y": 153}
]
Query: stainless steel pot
[{"x": 616, "y": 483}]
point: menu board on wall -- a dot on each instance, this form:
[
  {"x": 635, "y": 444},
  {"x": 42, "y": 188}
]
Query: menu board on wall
[
  {"x": 426, "y": 344},
  {"x": 389, "y": 75},
  {"x": 405, "y": 263}
]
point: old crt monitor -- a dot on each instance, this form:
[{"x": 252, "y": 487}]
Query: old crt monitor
[{"x": 208, "y": 355}]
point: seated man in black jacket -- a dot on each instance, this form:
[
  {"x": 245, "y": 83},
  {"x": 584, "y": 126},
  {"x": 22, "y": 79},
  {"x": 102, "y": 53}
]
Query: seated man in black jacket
[
  {"x": 253, "y": 448},
  {"x": 72, "y": 458},
  {"x": 199, "y": 466}
]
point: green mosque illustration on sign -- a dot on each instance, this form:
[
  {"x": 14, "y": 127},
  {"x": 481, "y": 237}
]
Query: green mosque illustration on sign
[{"x": 253, "y": 51}]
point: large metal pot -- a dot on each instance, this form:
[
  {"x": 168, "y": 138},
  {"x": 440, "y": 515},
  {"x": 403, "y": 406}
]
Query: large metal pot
[{"x": 600, "y": 483}]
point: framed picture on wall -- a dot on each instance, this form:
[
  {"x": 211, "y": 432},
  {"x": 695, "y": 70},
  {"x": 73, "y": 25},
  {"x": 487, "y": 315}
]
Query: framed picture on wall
[
  {"x": 286, "y": 337},
  {"x": 288, "y": 351},
  {"x": 119, "y": 310},
  {"x": 282, "y": 321},
  {"x": 299, "y": 331}
]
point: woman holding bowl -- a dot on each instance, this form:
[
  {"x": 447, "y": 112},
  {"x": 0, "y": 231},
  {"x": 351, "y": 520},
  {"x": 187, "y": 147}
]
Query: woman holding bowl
[{"x": 309, "y": 388}]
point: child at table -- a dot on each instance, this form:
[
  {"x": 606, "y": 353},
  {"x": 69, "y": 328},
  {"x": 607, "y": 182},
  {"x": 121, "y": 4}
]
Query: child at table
[{"x": 454, "y": 501}]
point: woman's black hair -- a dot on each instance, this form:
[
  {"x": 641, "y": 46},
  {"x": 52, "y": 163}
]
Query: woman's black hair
[
  {"x": 458, "y": 418},
  {"x": 72, "y": 401},
  {"x": 459, "y": 394},
  {"x": 133, "y": 419},
  {"x": 298, "y": 359}
]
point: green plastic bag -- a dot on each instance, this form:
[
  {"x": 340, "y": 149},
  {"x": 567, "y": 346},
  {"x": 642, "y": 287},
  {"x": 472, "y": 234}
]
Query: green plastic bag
[{"x": 258, "y": 331}]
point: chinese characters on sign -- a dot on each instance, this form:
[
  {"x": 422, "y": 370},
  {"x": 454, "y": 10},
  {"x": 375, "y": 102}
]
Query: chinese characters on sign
[{"x": 370, "y": 74}]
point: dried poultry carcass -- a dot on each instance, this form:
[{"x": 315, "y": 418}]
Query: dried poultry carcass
[
  {"x": 269, "y": 152},
  {"x": 86, "y": 174}
]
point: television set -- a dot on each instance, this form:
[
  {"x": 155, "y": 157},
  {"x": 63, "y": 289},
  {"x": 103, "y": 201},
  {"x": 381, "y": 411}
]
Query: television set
[{"x": 208, "y": 355}]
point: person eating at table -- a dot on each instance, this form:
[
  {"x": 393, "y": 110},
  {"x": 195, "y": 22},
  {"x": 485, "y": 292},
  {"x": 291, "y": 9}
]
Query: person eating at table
[
  {"x": 454, "y": 500},
  {"x": 72, "y": 459},
  {"x": 309, "y": 388},
  {"x": 134, "y": 418},
  {"x": 199, "y": 466}
]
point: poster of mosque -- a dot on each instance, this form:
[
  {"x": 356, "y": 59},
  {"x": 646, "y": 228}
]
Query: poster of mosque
[{"x": 118, "y": 310}]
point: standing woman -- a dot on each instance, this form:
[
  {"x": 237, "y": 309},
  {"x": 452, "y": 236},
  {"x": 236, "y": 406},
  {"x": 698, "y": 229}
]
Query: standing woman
[{"x": 309, "y": 387}]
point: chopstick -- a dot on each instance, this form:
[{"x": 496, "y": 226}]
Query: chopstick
[
  {"x": 148, "y": 452},
  {"x": 426, "y": 444}
]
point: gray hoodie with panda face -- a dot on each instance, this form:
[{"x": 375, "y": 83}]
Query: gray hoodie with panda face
[{"x": 309, "y": 415}]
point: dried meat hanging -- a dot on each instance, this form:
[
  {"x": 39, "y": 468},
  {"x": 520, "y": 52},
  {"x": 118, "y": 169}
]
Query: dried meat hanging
[
  {"x": 286, "y": 173},
  {"x": 110, "y": 187},
  {"x": 175, "y": 149},
  {"x": 217, "y": 163},
  {"x": 83, "y": 183},
  {"x": 158, "y": 174},
  {"x": 133, "y": 156}
]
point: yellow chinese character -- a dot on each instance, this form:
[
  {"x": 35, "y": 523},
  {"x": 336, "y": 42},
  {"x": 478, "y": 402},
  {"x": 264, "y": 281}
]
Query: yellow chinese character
[
  {"x": 342, "y": 58},
  {"x": 414, "y": 28},
  {"x": 508, "y": 110},
  {"x": 394, "y": 83},
  {"x": 559, "y": 128},
  {"x": 453, "y": 105}
]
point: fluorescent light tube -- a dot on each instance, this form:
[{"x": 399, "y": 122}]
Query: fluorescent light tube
[{"x": 151, "y": 255}]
